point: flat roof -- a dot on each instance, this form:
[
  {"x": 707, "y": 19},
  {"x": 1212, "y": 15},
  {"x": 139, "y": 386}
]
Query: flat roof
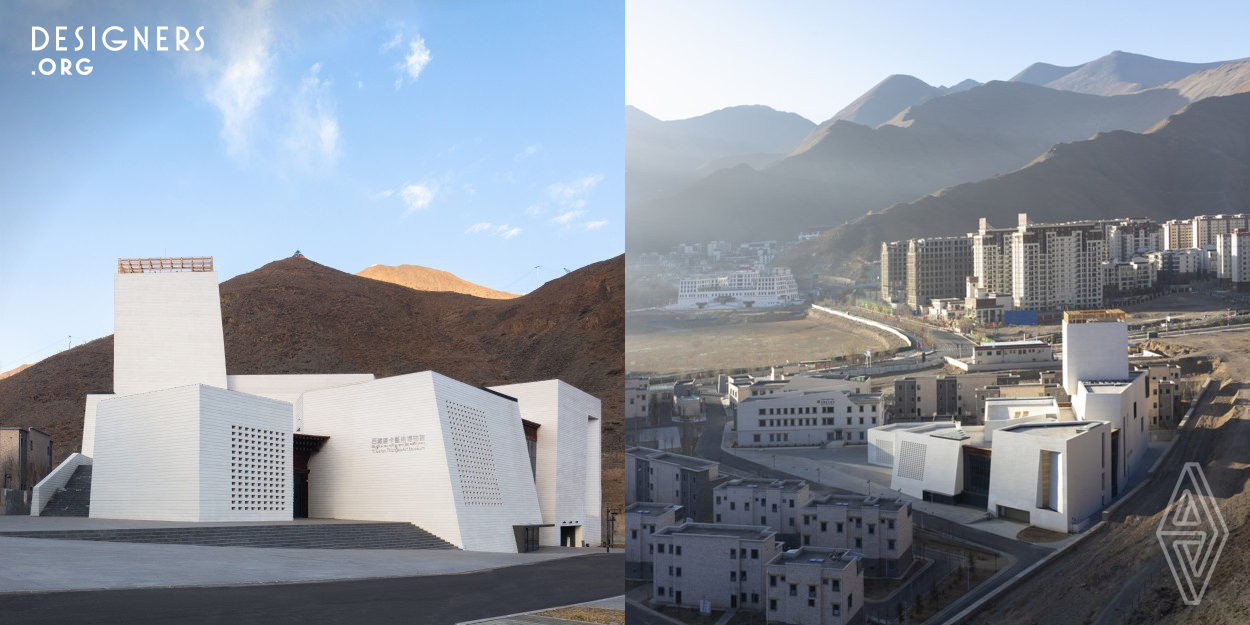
[
  {"x": 823, "y": 557},
  {"x": 756, "y": 532},
  {"x": 1054, "y": 429},
  {"x": 1001, "y": 344},
  {"x": 783, "y": 485},
  {"x": 682, "y": 461},
  {"x": 918, "y": 426},
  {"x": 1041, "y": 400},
  {"x": 1093, "y": 316},
  {"x": 650, "y": 508},
  {"x": 857, "y": 502}
]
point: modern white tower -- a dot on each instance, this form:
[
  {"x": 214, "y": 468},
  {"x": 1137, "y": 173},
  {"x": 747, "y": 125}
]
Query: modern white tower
[
  {"x": 1095, "y": 347},
  {"x": 167, "y": 325}
]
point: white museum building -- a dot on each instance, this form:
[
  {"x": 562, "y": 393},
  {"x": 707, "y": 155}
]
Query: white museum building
[
  {"x": 1037, "y": 460},
  {"x": 502, "y": 469}
]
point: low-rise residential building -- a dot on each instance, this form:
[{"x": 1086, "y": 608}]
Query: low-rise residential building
[
  {"x": 642, "y": 520},
  {"x": 1129, "y": 277},
  {"x": 925, "y": 396},
  {"x": 815, "y": 586},
  {"x": 878, "y": 529},
  {"x": 637, "y": 400},
  {"x": 687, "y": 403},
  {"x": 833, "y": 412},
  {"x": 25, "y": 459},
  {"x": 718, "y": 563},
  {"x": 664, "y": 477},
  {"x": 774, "y": 503},
  {"x": 1007, "y": 355},
  {"x": 1163, "y": 393}
]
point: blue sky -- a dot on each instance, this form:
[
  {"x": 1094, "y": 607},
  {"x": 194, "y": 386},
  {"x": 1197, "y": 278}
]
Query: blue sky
[
  {"x": 482, "y": 138},
  {"x": 813, "y": 57}
]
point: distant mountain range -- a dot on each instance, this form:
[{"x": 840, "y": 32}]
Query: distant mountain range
[
  {"x": 427, "y": 279},
  {"x": 861, "y": 162},
  {"x": 663, "y": 156},
  {"x": 1196, "y": 162}
]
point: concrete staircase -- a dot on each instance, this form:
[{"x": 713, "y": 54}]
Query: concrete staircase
[
  {"x": 75, "y": 498},
  {"x": 364, "y": 535}
]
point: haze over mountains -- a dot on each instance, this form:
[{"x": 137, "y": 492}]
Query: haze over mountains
[{"x": 936, "y": 138}]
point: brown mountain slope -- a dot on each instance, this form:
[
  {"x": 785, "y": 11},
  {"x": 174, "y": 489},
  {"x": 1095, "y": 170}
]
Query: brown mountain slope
[
  {"x": 17, "y": 369},
  {"x": 428, "y": 279},
  {"x": 296, "y": 316}
]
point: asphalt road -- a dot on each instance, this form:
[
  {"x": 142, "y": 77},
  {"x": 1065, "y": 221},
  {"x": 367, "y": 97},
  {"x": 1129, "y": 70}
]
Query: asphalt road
[{"x": 435, "y": 599}]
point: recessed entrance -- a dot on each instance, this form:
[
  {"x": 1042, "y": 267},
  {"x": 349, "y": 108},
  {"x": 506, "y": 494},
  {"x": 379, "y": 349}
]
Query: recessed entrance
[
  {"x": 303, "y": 447},
  {"x": 569, "y": 535}
]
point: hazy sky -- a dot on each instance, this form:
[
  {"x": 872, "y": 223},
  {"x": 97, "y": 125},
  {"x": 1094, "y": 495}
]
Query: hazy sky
[
  {"x": 483, "y": 138},
  {"x": 815, "y": 57}
]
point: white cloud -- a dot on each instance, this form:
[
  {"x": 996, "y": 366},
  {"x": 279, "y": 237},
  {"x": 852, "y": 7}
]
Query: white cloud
[
  {"x": 360, "y": 84},
  {"x": 598, "y": 223},
  {"x": 393, "y": 42},
  {"x": 414, "y": 62},
  {"x": 534, "y": 210},
  {"x": 382, "y": 195},
  {"x": 238, "y": 78},
  {"x": 503, "y": 231},
  {"x": 313, "y": 137},
  {"x": 418, "y": 196},
  {"x": 530, "y": 150},
  {"x": 573, "y": 194},
  {"x": 566, "y": 217}
]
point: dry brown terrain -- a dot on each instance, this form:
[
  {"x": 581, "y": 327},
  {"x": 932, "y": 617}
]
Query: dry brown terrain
[
  {"x": 660, "y": 347},
  {"x": 17, "y": 369},
  {"x": 296, "y": 316},
  {"x": 428, "y": 279},
  {"x": 1119, "y": 574}
]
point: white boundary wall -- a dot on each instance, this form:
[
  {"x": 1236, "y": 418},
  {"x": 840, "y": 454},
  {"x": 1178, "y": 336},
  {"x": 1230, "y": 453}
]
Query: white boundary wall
[
  {"x": 568, "y": 458},
  {"x": 875, "y": 324}
]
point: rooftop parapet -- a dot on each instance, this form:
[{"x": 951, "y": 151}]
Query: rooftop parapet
[{"x": 165, "y": 265}]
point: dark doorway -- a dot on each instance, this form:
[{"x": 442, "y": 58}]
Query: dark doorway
[
  {"x": 303, "y": 448},
  {"x": 301, "y": 495},
  {"x": 568, "y": 536}
]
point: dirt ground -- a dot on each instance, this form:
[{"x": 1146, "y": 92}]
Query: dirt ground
[
  {"x": 1178, "y": 308},
  {"x": 729, "y": 342},
  {"x": 1119, "y": 574}
]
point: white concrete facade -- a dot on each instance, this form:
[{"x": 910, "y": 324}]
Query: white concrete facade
[
  {"x": 192, "y": 453},
  {"x": 180, "y": 440},
  {"x": 167, "y": 331},
  {"x": 1060, "y": 472},
  {"x": 568, "y": 472},
  {"x": 459, "y": 470},
  {"x": 832, "y": 415}
]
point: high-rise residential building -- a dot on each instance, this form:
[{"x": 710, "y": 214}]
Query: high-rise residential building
[
  {"x": 1057, "y": 266},
  {"x": 991, "y": 257},
  {"x": 1129, "y": 238},
  {"x": 1178, "y": 234},
  {"x": 1207, "y": 227},
  {"x": 1233, "y": 251},
  {"x": 894, "y": 271},
  {"x": 937, "y": 268}
]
